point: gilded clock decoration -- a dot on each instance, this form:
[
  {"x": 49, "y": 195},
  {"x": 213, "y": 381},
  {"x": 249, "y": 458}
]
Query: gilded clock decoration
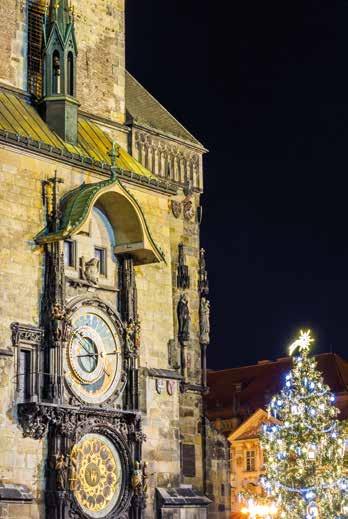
[{"x": 97, "y": 480}]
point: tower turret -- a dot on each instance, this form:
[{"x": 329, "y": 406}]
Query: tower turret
[{"x": 59, "y": 102}]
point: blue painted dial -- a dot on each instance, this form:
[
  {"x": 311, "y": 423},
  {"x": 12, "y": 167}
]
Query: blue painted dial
[{"x": 93, "y": 361}]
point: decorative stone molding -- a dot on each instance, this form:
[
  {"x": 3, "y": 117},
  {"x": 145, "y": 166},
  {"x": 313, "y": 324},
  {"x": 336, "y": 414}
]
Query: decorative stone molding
[
  {"x": 167, "y": 159},
  {"x": 164, "y": 373},
  {"x": 27, "y": 334},
  {"x": 73, "y": 422},
  {"x": 86, "y": 163}
]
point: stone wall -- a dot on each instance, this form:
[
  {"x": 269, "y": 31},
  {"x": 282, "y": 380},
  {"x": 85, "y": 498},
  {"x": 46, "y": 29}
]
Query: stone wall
[
  {"x": 13, "y": 43},
  {"x": 100, "y": 29},
  {"x": 21, "y": 460},
  {"x": 218, "y": 473},
  {"x": 100, "y": 32},
  {"x": 172, "y": 420}
]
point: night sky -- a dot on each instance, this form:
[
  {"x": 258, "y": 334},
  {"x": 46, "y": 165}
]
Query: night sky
[{"x": 264, "y": 86}]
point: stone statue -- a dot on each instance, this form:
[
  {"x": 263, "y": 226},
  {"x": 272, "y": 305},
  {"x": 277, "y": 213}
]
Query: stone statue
[
  {"x": 183, "y": 319},
  {"x": 145, "y": 478},
  {"x": 92, "y": 271},
  {"x": 133, "y": 335},
  {"x": 56, "y": 65},
  {"x": 188, "y": 208},
  {"x": 61, "y": 468},
  {"x": 205, "y": 321},
  {"x": 203, "y": 283},
  {"x": 72, "y": 474},
  {"x": 137, "y": 479},
  {"x": 183, "y": 278}
]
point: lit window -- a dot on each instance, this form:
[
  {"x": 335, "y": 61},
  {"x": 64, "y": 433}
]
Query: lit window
[
  {"x": 69, "y": 253},
  {"x": 100, "y": 254},
  {"x": 250, "y": 461}
]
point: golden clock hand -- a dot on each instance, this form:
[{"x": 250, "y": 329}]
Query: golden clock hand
[{"x": 83, "y": 342}]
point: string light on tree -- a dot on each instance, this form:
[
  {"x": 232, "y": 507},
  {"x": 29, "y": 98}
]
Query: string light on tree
[{"x": 304, "y": 451}]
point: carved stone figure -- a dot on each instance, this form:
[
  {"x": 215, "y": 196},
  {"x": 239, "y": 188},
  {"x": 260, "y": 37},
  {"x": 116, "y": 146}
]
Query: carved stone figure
[
  {"x": 203, "y": 283},
  {"x": 183, "y": 278},
  {"x": 58, "y": 312},
  {"x": 205, "y": 321},
  {"x": 61, "y": 468},
  {"x": 145, "y": 478},
  {"x": 133, "y": 336},
  {"x": 92, "y": 271},
  {"x": 72, "y": 474},
  {"x": 188, "y": 208},
  {"x": 137, "y": 479},
  {"x": 183, "y": 319},
  {"x": 56, "y": 65}
]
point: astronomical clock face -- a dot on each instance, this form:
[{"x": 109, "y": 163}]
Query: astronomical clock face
[
  {"x": 97, "y": 475},
  {"x": 93, "y": 364}
]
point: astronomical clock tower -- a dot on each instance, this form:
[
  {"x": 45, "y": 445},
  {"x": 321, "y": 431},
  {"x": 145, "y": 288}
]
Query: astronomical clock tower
[{"x": 104, "y": 320}]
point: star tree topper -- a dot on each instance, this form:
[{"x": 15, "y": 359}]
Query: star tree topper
[{"x": 303, "y": 343}]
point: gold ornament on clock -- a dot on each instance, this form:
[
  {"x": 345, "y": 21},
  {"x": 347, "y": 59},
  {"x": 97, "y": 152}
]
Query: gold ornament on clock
[{"x": 97, "y": 477}]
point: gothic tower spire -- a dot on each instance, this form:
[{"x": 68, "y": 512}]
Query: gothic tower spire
[
  {"x": 61, "y": 11},
  {"x": 59, "y": 101}
]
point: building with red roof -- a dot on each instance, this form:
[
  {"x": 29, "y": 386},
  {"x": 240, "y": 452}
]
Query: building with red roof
[{"x": 236, "y": 393}]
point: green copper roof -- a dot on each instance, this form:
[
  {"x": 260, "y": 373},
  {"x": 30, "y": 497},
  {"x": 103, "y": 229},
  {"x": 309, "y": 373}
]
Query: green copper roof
[
  {"x": 75, "y": 207},
  {"x": 19, "y": 117},
  {"x": 61, "y": 13}
]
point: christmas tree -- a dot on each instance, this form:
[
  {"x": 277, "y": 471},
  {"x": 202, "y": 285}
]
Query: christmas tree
[{"x": 304, "y": 452}]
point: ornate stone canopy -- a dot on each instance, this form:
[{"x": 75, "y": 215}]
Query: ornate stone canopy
[{"x": 122, "y": 209}]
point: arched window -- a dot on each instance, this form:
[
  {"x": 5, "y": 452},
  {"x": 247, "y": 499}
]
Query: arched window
[
  {"x": 56, "y": 73},
  {"x": 70, "y": 75}
]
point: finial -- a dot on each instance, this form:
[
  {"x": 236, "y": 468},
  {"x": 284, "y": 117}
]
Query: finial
[
  {"x": 114, "y": 153},
  {"x": 71, "y": 11},
  {"x": 303, "y": 343}
]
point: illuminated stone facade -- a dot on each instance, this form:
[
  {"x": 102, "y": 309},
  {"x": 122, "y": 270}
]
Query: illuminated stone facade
[
  {"x": 246, "y": 458},
  {"x": 131, "y": 217}
]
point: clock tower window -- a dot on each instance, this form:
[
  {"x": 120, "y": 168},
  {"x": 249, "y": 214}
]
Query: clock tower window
[
  {"x": 100, "y": 254},
  {"x": 70, "y": 253}
]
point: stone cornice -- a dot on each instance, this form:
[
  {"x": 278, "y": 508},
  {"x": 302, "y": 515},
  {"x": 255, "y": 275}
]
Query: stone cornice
[
  {"x": 164, "y": 373},
  {"x": 60, "y": 155}
]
